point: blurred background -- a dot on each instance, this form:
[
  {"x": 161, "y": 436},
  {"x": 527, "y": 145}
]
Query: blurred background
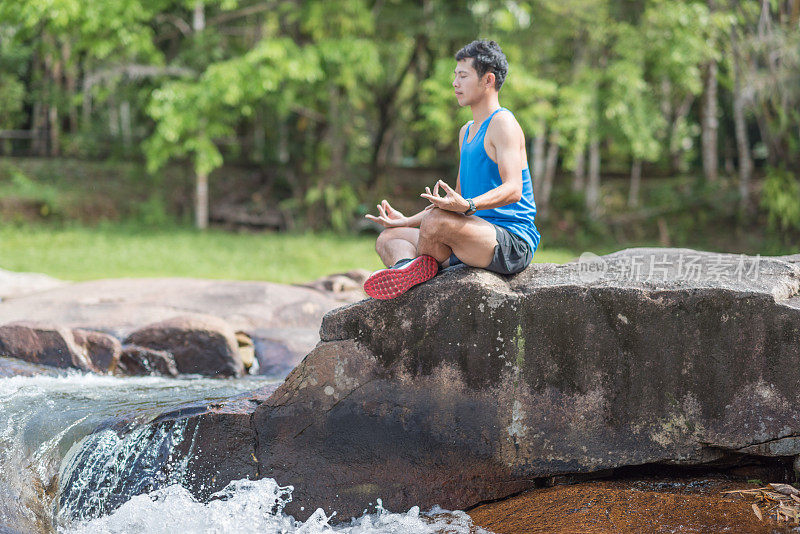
[{"x": 246, "y": 140}]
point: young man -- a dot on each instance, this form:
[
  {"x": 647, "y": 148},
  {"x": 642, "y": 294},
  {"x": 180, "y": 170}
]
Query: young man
[{"x": 487, "y": 221}]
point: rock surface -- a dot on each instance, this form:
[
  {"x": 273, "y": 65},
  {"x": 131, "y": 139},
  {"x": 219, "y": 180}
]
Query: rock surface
[
  {"x": 285, "y": 319},
  {"x": 12, "y": 367},
  {"x": 51, "y": 345},
  {"x": 103, "y": 350},
  {"x": 141, "y": 361},
  {"x": 200, "y": 344},
  {"x": 627, "y": 507},
  {"x": 13, "y": 284},
  {"x": 472, "y": 386}
]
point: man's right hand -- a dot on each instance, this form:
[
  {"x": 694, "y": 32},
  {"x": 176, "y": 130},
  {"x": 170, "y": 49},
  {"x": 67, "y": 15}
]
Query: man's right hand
[{"x": 388, "y": 216}]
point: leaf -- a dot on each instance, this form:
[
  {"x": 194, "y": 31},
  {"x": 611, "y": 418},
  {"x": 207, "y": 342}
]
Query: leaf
[
  {"x": 785, "y": 489},
  {"x": 757, "y": 512}
]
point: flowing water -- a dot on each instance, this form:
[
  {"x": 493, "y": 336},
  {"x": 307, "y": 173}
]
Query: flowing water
[{"x": 48, "y": 423}]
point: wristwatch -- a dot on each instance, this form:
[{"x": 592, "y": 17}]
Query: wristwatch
[{"x": 472, "y": 209}]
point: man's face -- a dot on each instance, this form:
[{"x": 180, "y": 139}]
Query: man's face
[{"x": 468, "y": 87}]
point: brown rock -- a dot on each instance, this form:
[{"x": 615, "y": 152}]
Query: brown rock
[
  {"x": 200, "y": 344},
  {"x": 627, "y": 507},
  {"x": 103, "y": 350},
  {"x": 45, "y": 345},
  {"x": 141, "y": 361}
]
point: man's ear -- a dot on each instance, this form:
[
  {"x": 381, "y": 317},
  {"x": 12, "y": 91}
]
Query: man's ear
[{"x": 490, "y": 79}]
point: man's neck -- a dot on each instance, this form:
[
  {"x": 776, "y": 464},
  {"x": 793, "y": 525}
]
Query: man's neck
[{"x": 482, "y": 110}]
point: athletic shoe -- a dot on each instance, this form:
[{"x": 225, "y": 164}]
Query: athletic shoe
[{"x": 396, "y": 280}]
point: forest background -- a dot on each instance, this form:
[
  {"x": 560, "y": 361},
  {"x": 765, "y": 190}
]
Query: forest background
[{"x": 649, "y": 122}]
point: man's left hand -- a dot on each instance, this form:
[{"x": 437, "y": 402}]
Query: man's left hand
[{"x": 452, "y": 201}]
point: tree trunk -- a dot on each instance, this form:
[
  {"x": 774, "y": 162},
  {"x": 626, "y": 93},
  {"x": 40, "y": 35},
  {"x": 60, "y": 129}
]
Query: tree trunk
[
  {"x": 593, "y": 187},
  {"x": 709, "y": 122},
  {"x": 539, "y": 145},
  {"x": 335, "y": 137},
  {"x": 676, "y": 148},
  {"x": 579, "y": 173},
  {"x": 636, "y": 178},
  {"x": 199, "y": 17},
  {"x": 201, "y": 201},
  {"x": 125, "y": 125},
  {"x": 550, "y": 170},
  {"x": 386, "y": 103}
]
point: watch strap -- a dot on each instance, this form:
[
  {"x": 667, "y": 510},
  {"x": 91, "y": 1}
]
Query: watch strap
[{"x": 472, "y": 209}]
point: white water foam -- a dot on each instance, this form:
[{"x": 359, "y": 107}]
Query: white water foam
[{"x": 256, "y": 506}]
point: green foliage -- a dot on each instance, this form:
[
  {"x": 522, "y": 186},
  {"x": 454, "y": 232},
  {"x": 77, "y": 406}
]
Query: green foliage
[
  {"x": 781, "y": 199},
  {"x": 14, "y": 183},
  {"x": 336, "y": 92}
]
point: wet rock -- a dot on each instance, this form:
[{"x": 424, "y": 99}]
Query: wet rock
[
  {"x": 141, "y": 361},
  {"x": 472, "y": 386},
  {"x": 200, "y": 344},
  {"x": 12, "y": 367},
  {"x": 103, "y": 350},
  {"x": 45, "y": 345},
  {"x": 276, "y": 351}
]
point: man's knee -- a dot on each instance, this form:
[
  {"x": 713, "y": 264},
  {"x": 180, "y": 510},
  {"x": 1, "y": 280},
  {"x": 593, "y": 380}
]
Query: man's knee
[
  {"x": 438, "y": 222},
  {"x": 385, "y": 236}
]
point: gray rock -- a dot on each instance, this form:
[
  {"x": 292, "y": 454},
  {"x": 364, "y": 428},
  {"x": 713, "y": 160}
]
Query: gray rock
[
  {"x": 470, "y": 387},
  {"x": 200, "y": 344}
]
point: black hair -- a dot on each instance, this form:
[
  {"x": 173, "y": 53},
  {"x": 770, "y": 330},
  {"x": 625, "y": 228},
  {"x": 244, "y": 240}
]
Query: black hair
[{"x": 486, "y": 57}]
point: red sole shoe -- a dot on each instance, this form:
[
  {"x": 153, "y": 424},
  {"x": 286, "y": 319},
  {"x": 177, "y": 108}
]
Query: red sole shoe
[{"x": 390, "y": 283}]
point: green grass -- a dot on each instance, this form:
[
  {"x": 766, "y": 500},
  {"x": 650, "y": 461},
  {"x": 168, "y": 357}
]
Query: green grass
[{"x": 117, "y": 251}]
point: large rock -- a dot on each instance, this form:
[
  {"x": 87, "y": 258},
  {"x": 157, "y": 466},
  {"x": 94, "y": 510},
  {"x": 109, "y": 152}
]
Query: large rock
[
  {"x": 472, "y": 386},
  {"x": 200, "y": 344}
]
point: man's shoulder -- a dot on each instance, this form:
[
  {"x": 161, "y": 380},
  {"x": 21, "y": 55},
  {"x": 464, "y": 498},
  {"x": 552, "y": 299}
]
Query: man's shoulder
[
  {"x": 504, "y": 118},
  {"x": 504, "y": 124}
]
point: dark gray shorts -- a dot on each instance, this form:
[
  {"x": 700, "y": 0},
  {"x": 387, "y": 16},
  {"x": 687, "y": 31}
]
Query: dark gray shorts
[{"x": 511, "y": 254}]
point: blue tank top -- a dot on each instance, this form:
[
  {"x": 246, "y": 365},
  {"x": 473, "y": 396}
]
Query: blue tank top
[{"x": 479, "y": 174}]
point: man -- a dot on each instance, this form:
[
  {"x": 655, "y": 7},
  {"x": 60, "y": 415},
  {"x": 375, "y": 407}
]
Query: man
[{"x": 487, "y": 221}]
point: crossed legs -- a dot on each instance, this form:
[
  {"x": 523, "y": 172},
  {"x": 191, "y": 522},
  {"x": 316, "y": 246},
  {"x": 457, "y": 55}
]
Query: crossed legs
[{"x": 441, "y": 233}]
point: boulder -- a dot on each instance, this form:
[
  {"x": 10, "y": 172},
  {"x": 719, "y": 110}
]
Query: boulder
[
  {"x": 103, "y": 350},
  {"x": 44, "y": 344},
  {"x": 141, "y": 361},
  {"x": 473, "y": 386},
  {"x": 200, "y": 344}
]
